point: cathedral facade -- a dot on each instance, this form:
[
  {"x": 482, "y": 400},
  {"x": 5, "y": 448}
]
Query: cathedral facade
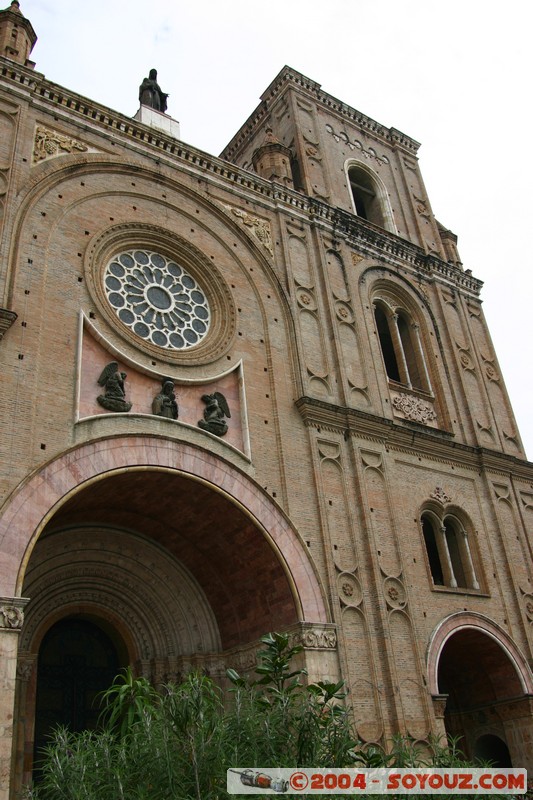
[{"x": 248, "y": 393}]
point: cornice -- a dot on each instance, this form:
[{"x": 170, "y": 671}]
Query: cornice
[
  {"x": 410, "y": 438},
  {"x": 289, "y": 77},
  {"x": 367, "y": 238}
]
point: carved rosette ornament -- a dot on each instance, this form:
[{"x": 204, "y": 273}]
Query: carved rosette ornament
[
  {"x": 394, "y": 593},
  {"x": 49, "y": 144},
  {"x": 528, "y": 605},
  {"x": 259, "y": 227},
  {"x": 413, "y": 408}
]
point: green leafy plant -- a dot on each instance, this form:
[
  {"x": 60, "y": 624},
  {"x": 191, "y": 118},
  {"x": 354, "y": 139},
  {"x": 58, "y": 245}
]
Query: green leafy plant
[{"x": 178, "y": 743}]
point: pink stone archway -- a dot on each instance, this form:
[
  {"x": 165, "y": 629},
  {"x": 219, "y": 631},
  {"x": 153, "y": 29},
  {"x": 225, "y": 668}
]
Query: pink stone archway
[
  {"x": 40, "y": 496},
  {"x": 470, "y": 620}
]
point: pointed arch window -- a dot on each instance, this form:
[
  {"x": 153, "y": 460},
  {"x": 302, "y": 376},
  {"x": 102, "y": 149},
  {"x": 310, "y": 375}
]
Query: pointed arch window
[
  {"x": 369, "y": 196},
  {"x": 401, "y": 347},
  {"x": 448, "y": 551}
]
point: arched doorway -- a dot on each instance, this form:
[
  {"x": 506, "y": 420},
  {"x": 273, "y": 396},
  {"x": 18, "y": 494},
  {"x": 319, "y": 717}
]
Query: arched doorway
[
  {"x": 489, "y": 748},
  {"x": 487, "y": 684},
  {"x": 180, "y": 552},
  {"x": 77, "y": 661}
]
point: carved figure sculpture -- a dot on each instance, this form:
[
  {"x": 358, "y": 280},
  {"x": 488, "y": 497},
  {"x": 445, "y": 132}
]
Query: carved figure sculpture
[
  {"x": 112, "y": 380},
  {"x": 150, "y": 93},
  {"x": 216, "y": 408},
  {"x": 164, "y": 403}
]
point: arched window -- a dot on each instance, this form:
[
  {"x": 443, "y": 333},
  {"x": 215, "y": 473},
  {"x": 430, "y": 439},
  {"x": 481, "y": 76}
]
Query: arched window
[
  {"x": 399, "y": 338},
  {"x": 369, "y": 196},
  {"x": 448, "y": 551}
]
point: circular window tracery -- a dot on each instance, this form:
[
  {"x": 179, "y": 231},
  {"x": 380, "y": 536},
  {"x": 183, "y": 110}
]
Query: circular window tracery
[{"x": 157, "y": 299}]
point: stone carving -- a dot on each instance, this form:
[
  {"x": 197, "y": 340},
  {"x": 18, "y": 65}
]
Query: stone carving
[
  {"x": 356, "y": 145},
  {"x": 150, "y": 93},
  {"x": 394, "y": 593},
  {"x": 49, "y": 144},
  {"x": 7, "y": 318},
  {"x": 112, "y": 380},
  {"x": 165, "y": 404},
  {"x": 414, "y": 408},
  {"x": 320, "y": 639},
  {"x": 11, "y": 617},
  {"x": 260, "y": 228},
  {"x": 421, "y": 206},
  {"x": 216, "y": 408},
  {"x": 440, "y": 495},
  {"x": 356, "y": 259},
  {"x": 25, "y": 667},
  {"x": 528, "y": 603}
]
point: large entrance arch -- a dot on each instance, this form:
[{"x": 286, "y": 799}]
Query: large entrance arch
[
  {"x": 488, "y": 687},
  {"x": 163, "y": 547}
]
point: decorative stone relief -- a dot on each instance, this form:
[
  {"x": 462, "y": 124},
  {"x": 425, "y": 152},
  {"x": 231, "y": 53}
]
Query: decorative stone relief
[
  {"x": 421, "y": 206},
  {"x": 394, "y": 593},
  {"x": 502, "y": 491},
  {"x": 413, "y": 408},
  {"x": 490, "y": 370},
  {"x": 315, "y": 638},
  {"x": 440, "y": 495},
  {"x": 11, "y": 617},
  {"x": 344, "y": 312},
  {"x": 356, "y": 259},
  {"x": 7, "y": 318},
  {"x": 216, "y": 408},
  {"x": 350, "y": 591},
  {"x": 305, "y": 298},
  {"x": 25, "y": 666},
  {"x": 165, "y": 404},
  {"x": 260, "y": 228},
  {"x": 49, "y": 144},
  {"x": 112, "y": 380},
  {"x": 355, "y": 144},
  {"x": 528, "y": 605},
  {"x": 465, "y": 357},
  {"x": 527, "y": 499}
]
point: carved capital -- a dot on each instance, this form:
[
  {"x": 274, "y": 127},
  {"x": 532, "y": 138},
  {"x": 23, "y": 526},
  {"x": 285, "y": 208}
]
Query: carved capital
[
  {"x": 314, "y": 637},
  {"x": 11, "y": 613}
]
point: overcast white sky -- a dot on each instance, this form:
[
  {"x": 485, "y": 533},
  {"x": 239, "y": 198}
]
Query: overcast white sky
[{"x": 455, "y": 76}]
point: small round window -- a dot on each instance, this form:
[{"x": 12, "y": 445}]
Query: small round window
[{"x": 157, "y": 299}]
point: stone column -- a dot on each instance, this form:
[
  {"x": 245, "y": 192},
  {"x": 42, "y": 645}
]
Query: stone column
[{"x": 11, "y": 619}]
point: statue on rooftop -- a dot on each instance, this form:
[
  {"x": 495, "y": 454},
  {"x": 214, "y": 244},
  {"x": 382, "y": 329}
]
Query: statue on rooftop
[{"x": 150, "y": 93}]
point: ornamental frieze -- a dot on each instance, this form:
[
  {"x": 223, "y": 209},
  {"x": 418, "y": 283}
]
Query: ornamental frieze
[{"x": 49, "y": 144}]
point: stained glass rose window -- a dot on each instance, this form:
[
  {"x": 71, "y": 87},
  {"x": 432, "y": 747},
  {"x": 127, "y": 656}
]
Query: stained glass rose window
[{"x": 157, "y": 299}]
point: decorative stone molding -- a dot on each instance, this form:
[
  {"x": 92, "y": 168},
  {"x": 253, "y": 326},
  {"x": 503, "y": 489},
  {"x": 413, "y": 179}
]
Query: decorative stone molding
[
  {"x": 7, "y": 318},
  {"x": 440, "y": 495},
  {"x": 355, "y": 144},
  {"x": 49, "y": 144},
  {"x": 11, "y": 612},
  {"x": 414, "y": 408},
  {"x": 314, "y": 636},
  {"x": 260, "y": 228},
  {"x": 356, "y": 259}
]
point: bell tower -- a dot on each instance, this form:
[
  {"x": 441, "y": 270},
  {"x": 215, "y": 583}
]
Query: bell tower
[{"x": 17, "y": 37}]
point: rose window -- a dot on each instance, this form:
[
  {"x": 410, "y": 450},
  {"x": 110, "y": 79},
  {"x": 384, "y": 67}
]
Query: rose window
[{"x": 157, "y": 299}]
